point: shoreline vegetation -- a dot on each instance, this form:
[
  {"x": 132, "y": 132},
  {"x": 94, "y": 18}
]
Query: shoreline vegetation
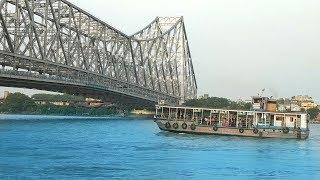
[
  {"x": 21, "y": 104},
  {"x": 219, "y": 103}
]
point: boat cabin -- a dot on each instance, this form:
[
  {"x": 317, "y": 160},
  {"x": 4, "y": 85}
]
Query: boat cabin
[{"x": 264, "y": 104}]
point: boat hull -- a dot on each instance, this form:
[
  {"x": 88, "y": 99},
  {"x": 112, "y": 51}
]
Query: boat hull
[{"x": 191, "y": 128}]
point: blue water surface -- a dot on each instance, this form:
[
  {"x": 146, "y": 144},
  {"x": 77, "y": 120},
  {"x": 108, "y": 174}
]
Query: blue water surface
[{"x": 39, "y": 147}]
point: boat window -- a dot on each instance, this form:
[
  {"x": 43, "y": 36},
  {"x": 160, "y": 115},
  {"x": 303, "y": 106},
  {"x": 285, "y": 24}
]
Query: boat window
[
  {"x": 180, "y": 113},
  {"x": 279, "y": 118},
  {"x": 158, "y": 111},
  {"x": 272, "y": 120},
  {"x": 173, "y": 112},
  {"x": 189, "y": 114},
  {"x": 206, "y": 113},
  {"x": 215, "y": 118},
  {"x": 197, "y": 114},
  {"x": 232, "y": 119},
  {"x": 165, "y": 113},
  {"x": 250, "y": 119}
]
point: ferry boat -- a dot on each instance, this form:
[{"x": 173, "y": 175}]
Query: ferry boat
[{"x": 262, "y": 124}]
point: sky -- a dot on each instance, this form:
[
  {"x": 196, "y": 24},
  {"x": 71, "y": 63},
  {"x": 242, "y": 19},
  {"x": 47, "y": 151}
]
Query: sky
[{"x": 239, "y": 47}]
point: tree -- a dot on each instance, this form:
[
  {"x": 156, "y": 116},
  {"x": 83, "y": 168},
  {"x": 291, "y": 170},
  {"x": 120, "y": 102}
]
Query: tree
[
  {"x": 18, "y": 103},
  {"x": 217, "y": 102},
  {"x": 313, "y": 113}
]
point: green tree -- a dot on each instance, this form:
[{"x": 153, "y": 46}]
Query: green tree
[
  {"x": 313, "y": 112},
  {"x": 219, "y": 103},
  {"x": 18, "y": 103}
]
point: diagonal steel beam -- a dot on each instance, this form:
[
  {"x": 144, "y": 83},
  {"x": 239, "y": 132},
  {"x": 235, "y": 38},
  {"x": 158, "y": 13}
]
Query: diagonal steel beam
[
  {"x": 6, "y": 33},
  {"x": 58, "y": 31},
  {"x": 33, "y": 26}
]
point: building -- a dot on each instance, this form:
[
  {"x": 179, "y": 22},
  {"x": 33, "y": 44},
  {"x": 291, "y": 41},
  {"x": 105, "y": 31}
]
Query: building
[
  {"x": 305, "y": 102},
  {"x": 6, "y": 94},
  {"x": 295, "y": 107},
  {"x": 61, "y": 103},
  {"x": 94, "y": 102},
  {"x": 317, "y": 120},
  {"x": 205, "y": 96},
  {"x": 142, "y": 112},
  {"x": 56, "y": 103},
  {"x": 282, "y": 108},
  {"x": 283, "y": 105},
  {"x": 308, "y": 105},
  {"x": 301, "y": 98}
]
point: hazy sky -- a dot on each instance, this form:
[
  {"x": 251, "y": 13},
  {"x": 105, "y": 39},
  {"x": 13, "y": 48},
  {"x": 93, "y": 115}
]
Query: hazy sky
[{"x": 238, "y": 46}]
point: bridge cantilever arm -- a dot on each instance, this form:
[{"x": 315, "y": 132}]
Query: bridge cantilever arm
[
  {"x": 58, "y": 31},
  {"x": 189, "y": 54},
  {"x": 5, "y": 29},
  {"x": 34, "y": 29},
  {"x": 133, "y": 61}
]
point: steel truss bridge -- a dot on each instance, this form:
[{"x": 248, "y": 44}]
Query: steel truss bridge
[{"x": 54, "y": 45}]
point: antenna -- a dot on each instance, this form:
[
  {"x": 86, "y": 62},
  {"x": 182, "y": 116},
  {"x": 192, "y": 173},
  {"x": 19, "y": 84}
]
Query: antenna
[{"x": 262, "y": 91}]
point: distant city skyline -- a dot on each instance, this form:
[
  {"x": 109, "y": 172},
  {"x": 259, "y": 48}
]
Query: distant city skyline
[{"x": 239, "y": 47}]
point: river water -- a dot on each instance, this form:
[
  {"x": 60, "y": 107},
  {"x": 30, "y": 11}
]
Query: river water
[{"x": 39, "y": 147}]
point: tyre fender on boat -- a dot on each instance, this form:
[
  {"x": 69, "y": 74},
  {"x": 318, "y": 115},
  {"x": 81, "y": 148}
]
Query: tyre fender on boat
[
  {"x": 168, "y": 125},
  {"x": 255, "y": 131},
  {"x": 215, "y": 128},
  {"x": 175, "y": 125},
  {"x": 299, "y": 135},
  {"x": 260, "y": 134},
  {"x": 286, "y": 130},
  {"x": 184, "y": 126},
  {"x": 241, "y": 130},
  {"x": 193, "y": 127}
]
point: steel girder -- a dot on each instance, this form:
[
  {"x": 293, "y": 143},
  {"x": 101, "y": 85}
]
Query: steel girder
[{"x": 55, "y": 40}]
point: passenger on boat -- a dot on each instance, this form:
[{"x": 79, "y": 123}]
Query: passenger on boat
[{"x": 206, "y": 120}]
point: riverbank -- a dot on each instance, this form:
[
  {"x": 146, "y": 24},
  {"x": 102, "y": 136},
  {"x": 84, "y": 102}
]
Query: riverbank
[
  {"x": 39, "y": 116},
  {"x": 55, "y": 117},
  {"x": 18, "y": 103},
  {"x": 66, "y": 114}
]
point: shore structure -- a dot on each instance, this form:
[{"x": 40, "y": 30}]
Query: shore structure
[{"x": 261, "y": 124}]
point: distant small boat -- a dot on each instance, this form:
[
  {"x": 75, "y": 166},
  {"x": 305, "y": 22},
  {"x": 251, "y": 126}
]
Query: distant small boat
[{"x": 232, "y": 122}]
